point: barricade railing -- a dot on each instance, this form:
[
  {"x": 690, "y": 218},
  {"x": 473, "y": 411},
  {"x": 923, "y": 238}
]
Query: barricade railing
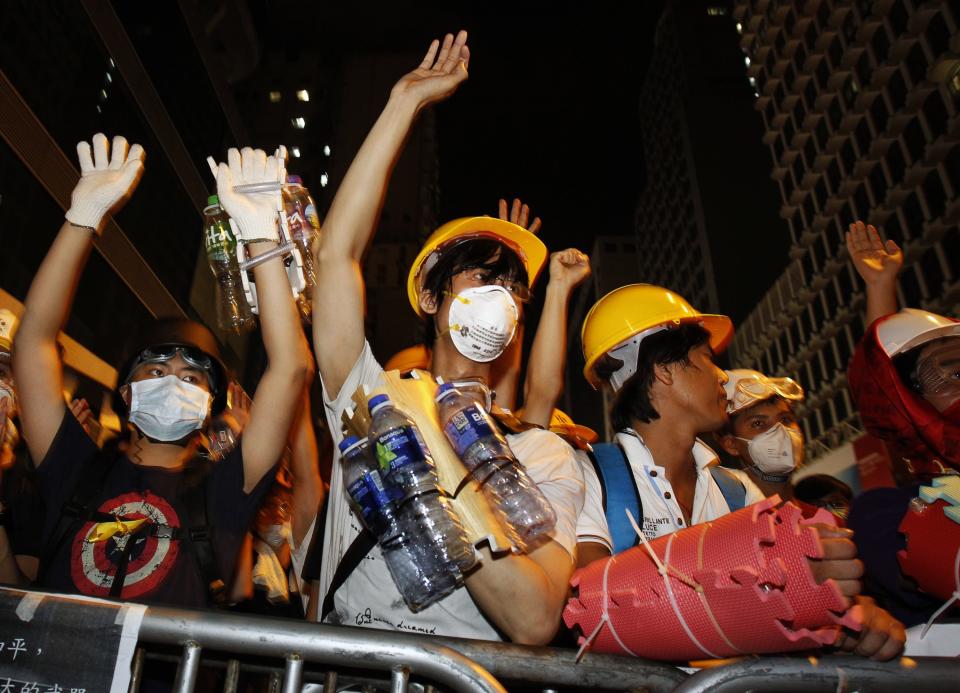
[{"x": 290, "y": 653}]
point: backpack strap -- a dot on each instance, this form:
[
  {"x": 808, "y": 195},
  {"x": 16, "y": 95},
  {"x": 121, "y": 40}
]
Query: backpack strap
[
  {"x": 194, "y": 500},
  {"x": 360, "y": 547},
  {"x": 76, "y": 511},
  {"x": 733, "y": 490},
  {"x": 620, "y": 493}
]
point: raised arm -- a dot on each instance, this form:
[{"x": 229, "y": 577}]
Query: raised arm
[
  {"x": 878, "y": 264},
  {"x": 544, "y": 383},
  {"x": 105, "y": 184},
  {"x": 349, "y": 225},
  {"x": 305, "y": 467},
  {"x": 278, "y": 392}
]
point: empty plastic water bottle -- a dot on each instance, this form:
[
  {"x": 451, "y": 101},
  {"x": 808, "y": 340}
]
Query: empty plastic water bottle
[
  {"x": 525, "y": 511},
  {"x": 233, "y": 311},
  {"x": 419, "y": 569},
  {"x": 408, "y": 470},
  {"x": 304, "y": 225}
]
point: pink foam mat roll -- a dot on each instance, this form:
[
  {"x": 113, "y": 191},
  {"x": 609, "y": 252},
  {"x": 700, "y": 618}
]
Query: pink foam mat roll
[{"x": 738, "y": 585}]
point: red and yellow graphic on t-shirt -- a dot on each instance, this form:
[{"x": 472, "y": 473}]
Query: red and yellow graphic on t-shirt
[{"x": 98, "y": 547}]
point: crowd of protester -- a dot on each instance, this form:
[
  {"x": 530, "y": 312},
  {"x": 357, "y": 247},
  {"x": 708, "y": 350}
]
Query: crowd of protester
[{"x": 160, "y": 514}]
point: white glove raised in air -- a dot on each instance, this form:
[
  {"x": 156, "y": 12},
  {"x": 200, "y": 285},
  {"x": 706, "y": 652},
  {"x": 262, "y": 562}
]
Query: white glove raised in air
[
  {"x": 105, "y": 181},
  {"x": 255, "y": 213}
]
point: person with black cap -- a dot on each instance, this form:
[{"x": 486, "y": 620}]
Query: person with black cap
[{"x": 152, "y": 522}]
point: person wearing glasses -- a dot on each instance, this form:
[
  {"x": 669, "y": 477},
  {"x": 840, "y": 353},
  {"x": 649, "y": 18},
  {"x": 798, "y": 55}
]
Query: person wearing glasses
[
  {"x": 469, "y": 284},
  {"x": 151, "y": 521}
]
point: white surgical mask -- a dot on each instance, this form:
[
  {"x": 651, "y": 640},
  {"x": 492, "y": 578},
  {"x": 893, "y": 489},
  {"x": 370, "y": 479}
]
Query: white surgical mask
[
  {"x": 482, "y": 322},
  {"x": 167, "y": 408},
  {"x": 777, "y": 451}
]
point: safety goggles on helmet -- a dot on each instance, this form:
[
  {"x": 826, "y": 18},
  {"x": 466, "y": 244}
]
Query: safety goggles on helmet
[
  {"x": 480, "y": 275},
  {"x": 161, "y": 354},
  {"x": 747, "y": 388},
  {"x": 938, "y": 369}
]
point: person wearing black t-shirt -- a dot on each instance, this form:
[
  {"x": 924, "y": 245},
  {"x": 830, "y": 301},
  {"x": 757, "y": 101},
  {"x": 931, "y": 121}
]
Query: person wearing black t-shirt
[{"x": 148, "y": 521}]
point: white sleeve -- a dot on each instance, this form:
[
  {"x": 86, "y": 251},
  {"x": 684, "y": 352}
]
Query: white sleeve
[
  {"x": 366, "y": 371},
  {"x": 552, "y": 464},
  {"x": 592, "y": 523}
]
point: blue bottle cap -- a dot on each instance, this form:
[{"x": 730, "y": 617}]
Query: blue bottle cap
[
  {"x": 377, "y": 400},
  {"x": 347, "y": 442},
  {"x": 443, "y": 390}
]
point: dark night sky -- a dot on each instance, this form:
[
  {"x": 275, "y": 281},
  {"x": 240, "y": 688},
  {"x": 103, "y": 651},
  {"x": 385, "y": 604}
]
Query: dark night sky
[{"x": 549, "y": 111}]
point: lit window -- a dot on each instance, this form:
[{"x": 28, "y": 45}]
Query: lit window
[
  {"x": 299, "y": 123},
  {"x": 99, "y": 110},
  {"x": 303, "y": 95},
  {"x": 275, "y": 96},
  {"x": 103, "y": 94},
  {"x": 324, "y": 180},
  {"x": 739, "y": 28},
  {"x": 326, "y": 150},
  {"x": 753, "y": 81},
  {"x": 111, "y": 63},
  {"x": 109, "y": 78},
  {"x": 716, "y": 11},
  {"x": 295, "y": 151},
  {"x": 746, "y": 60}
]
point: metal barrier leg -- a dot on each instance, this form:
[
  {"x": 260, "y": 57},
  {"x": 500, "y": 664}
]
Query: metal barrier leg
[
  {"x": 189, "y": 666},
  {"x": 232, "y": 676},
  {"x": 136, "y": 670},
  {"x": 330, "y": 682},
  {"x": 399, "y": 677},
  {"x": 293, "y": 674}
]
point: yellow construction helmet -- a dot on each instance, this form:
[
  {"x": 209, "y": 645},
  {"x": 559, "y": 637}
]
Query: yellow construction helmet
[
  {"x": 417, "y": 356},
  {"x": 530, "y": 249},
  {"x": 636, "y": 308}
]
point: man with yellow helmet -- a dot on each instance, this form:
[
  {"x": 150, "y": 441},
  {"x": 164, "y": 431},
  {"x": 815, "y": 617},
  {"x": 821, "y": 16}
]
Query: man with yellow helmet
[
  {"x": 469, "y": 283},
  {"x": 655, "y": 354}
]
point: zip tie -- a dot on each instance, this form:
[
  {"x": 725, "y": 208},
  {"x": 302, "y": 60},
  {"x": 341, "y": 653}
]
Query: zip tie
[
  {"x": 676, "y": 607},
  {"x": 947, "y": 604}
]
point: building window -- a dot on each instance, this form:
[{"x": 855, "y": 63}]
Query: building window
[
  {"x": 821, "y": 132},
  {"x": 810, "y": 35},
  {"x": 861, "y": 202},
  {"x": 863, "y": 69},
  {"x": 880, "y": 44},
  {"x": 849, "y": 92},
  {"x": 952, "y": 166},
  {"x": 913, "y": 216},
  {"x": 938, "y": 35},
  {"x": 833, "y": 176},
  {"x": 835, "y": 114},
  {"x": 935, "y": 113},
  {"x": 934, "y": 194},
  {"x": 898, "y": 17},
  {"x": 879, "y": 115},
  {"x": 933, "y": 271},
  {"x": 914, "y": 140},
  {"x": 878, "y": 184},
  {"x": 810, "y": 152},
  {"x": 835, "y": 52},
  {"x": 896, "y": 165},
  {"x": 951, "y": 251},
  {"x": 909, "y": 287},
  {"x": 848, "y": 157},
  {"x": 823, "y": 73},
  {"x": 916, "y": 63},
  {"x": 863, "y": 136}
]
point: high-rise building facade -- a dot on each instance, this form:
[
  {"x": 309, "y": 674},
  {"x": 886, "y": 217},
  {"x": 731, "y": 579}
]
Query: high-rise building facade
[
  {"x": 859, "y": 101},
  {"x": 708, "y": 203}
]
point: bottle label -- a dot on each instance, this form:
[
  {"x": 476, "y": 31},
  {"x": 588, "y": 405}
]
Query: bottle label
[
  {"x": 219, "y": 243},
  {"x": 466, "y": 427},
  {"x": 312, "y": 217},
  {"x": 295, "y": 224},
  {"x": 370, "y": 496},
  {"x": 400, "y": 448}
]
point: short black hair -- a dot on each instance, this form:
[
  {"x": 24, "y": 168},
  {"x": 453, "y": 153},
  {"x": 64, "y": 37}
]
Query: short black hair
[
  {"x": 632, "y": 402},
  {"x": 488, "y": 253}
]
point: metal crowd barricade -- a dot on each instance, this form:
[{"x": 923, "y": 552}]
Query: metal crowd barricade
[{"x": 297, "y": 642}]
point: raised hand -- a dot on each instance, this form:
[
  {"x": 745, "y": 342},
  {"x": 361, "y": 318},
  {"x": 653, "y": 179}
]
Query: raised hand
[
  {"x": 568, "y": 268},
  {"x": 519, "y": 214},
  {"x": 255, "y": 213},
  {"x": 442, "y": 70},
  {"x": 106, "y": 181},
  {"x": 875, "y": 261}
]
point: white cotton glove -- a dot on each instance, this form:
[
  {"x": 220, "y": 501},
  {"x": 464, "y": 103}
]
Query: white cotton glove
[
  {"x": 104, "y": 182},
  {"x": 255, "y": 214}
]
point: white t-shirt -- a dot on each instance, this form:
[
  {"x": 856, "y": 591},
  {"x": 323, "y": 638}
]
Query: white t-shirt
[
  {"x": 369, "y": 597},
  {"x": 661, "y": 512}
]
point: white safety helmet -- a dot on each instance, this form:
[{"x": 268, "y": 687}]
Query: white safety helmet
[
  {"x": 911, "y": 328},
  {"x": 746, "y": 387}
]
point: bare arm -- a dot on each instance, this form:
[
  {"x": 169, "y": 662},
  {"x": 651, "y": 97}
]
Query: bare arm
[
  {"x": 277, "y": 394},
  {"x": 538, "y": 581},
  {"x": 350, "y": 223},
  {"x": 305, "y": 467},
  {"x": 105, "y": 183},
  {"x": 878, "y": 264},
  {"x": 544, "y": 383},
  {"x": 590, "y": 551}
]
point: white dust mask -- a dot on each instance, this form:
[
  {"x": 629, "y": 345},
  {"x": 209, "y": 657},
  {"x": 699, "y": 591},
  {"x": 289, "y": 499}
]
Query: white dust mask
[
  {"x": 776, "y": 451},
  {"x": 482, "y": 322},
  {"x": 167, "y": 408}
]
